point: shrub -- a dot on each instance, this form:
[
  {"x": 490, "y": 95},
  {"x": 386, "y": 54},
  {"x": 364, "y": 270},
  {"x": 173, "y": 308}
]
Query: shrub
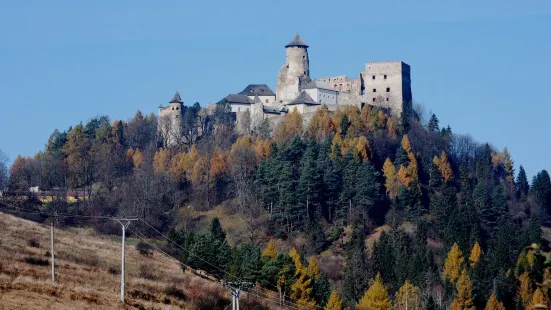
[
  {"x": 114, "y": 270},
  {"x": 36, "y": 261},
  {"x": 147, "y": 272},
  {"x": 210, "y": 299},
  {"x": 172, "y": 290},
  {"x": 144, "y": 248},
  {"x": 33, "y": 242}
]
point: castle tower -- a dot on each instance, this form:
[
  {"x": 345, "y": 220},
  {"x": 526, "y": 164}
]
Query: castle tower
[
  {"x": 169, "y": 123},
  {"x": 295, "y": 70}
]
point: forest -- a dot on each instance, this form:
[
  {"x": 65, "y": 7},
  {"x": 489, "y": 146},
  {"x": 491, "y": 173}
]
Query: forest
[{"x": 356, "y": 209}]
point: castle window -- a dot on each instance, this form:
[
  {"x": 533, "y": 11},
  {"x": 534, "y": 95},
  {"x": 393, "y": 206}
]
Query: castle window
[
  {"x": 385, "y": 76},
  {"x": 266, "y": 100},
  {"x": 305, "y": 72},
  {"x": 388, "y": 89},
  {"x": 373, "y": 77},
  {"x": 238, "y": 109},
  {"x": 177, "y": 108},
  {"x": 303, "y": 57},
  {"x": 373, "y": 99},
  {"x": 172, "y": 108},
  {"x": 386, "y": 99},
  {"x": 374, "y": 90}
]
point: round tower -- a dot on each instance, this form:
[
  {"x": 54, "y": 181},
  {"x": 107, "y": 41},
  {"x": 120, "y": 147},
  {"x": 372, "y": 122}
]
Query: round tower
[
  {"x": 297, "y": 58},
  {"x": 297, "y": 67}
]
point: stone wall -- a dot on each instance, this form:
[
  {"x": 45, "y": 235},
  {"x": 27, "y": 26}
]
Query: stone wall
[{"x": 296, "y": 66}]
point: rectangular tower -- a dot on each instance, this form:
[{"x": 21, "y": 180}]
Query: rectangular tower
[{"x": 387, "y": 84}]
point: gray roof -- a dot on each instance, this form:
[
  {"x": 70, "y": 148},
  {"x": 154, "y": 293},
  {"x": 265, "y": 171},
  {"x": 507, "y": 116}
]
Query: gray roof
[
  {"x": 238, "y": 99},
  {"x": 297, "y": 41},
  {"x": 303, "y": 98},
  {"x": 257, "y": 89},
  {"x": 176, "y": 98}
]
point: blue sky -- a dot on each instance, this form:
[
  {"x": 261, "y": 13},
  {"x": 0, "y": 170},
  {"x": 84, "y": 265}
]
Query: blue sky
[{"x": 482, "y": 66}]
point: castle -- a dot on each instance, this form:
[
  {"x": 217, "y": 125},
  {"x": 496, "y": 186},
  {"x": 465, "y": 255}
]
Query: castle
[{"x": 384, "y": 84}]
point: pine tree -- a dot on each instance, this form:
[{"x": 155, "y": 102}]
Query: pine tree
[
  {"x": 216, "y": 230},
  {"x": 310, "y": 183},
  {"x": 433, "y": 124},
  {"x": 541, "y": 190},
  {"x": 384, "y": 257},
  {"x": 454, "y": 264},
  {"x": 494, "y": 304},
  {"x": 476, "y": 252},
  {"x": 348, "y": 193},
  {"x": 522, "y": 183},
  {"x": 334, "y": 303},
  {"x": 376, "y": 297},
  {"x": 367, "y": 191},
  {"x": 408, "y": 297},
  {"x": 356, "y": 269},
  {"x": 289, "y": 214},
  {"x": 463, "y": 298}
]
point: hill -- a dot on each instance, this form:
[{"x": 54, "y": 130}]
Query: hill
[{"x": 88, "y": 273}]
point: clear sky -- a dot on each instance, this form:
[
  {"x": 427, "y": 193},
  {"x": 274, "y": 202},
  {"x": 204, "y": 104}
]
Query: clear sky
[{"x": 483, "y": 67}]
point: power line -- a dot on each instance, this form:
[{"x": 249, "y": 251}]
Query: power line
[
  {"x": 217, "y": 268},
  {"x": 142, "y": 237}
]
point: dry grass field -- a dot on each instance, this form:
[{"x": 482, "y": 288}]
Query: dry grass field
[{"x": 88, "y": 273}]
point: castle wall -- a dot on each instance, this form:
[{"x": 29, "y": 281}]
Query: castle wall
[
  {"x": 236, "y": 107},
  {"x": 264, "y": 99},
  {"x": 169, "y": 125}
]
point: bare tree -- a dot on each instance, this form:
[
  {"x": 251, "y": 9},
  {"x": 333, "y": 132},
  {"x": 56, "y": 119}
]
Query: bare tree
[{"x": 3, "y": 170}]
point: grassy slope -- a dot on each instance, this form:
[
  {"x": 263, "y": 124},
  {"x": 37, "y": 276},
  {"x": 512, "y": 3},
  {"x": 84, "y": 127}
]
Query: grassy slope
[{"x": 82, "y": 263}]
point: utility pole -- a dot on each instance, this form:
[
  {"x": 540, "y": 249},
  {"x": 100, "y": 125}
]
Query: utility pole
[
  {"x": 235, "y": 289},
  {"x": 125, "y": 222},
  {"x": 52, "y": 244}
]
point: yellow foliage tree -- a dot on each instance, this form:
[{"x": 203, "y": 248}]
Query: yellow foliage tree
[
  {"x": 270, "y": 250},
  {"x": 408, "y": 297},
  {"x": 336, "y": 146},
  {"x": 454, "y": 264},
  {"x": 509, "y": 165},
  {"x": 494, "y": 304},
  {"x": 218, "y": 166},
  {"x": 321, "y": 125},
  {"x": 137, "y": 158},
  {"x": 200, "y": 171},
  {"x": 290, "y": 127},
  {"x": 463, "y": 298},
  {"x": 525, "y": 288},
  {"x": 297, "y": 260},
  {"x": 391, "y": 179},
  {"x": 161, "y": 161},
  {"x": 476, "y": 252},
  {"x": 301, "y": 292},
  {"x": 262, "y": 148},
  {"x": 443, "y": 166},
  {"x": 362, "y": 147},
  {"x": 313, "y": 267},
  {"x": 538, "y": 301},
  {"x": 376, "y": 297},
  {"x": 334, "y": 302}
]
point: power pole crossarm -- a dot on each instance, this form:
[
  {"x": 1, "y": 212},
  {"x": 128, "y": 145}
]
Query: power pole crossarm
[{"x": 125, "y": 222}]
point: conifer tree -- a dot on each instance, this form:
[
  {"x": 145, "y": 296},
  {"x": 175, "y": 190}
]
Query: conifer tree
[
  {"x": 525, "y": 292},
  {"x": 494, "y": 304},
  {"x": 463, "y": 298},
  {"x": 408, "y": 297},
  {"x": 541, "y": 190},
  {"x": 334, "y": 303},
  {"x": 356, "y": 269},
  {"x": 443, "y": 166},
  {"x": 476, "y": 252},
  {"x": 289, "y": 213},
  {"x": 310, "y": 184},
  {"x": 391, "y": 181},
  {"x": 454, "y": 264},
  {"x": 508, "y": 164},
  {"x": 367, "y": 191},
  {"x": 522, "y": 183},
  {"x": 384, "y": 257},
  {"x": 376, "y": 297},
  {"x": 538, "y": 301},
  {"x": 301, "y": 291},
  {"x": 433, "y": 124},
  {"x": 348, "y": 193},
  {"x": 270, "y": 251}
]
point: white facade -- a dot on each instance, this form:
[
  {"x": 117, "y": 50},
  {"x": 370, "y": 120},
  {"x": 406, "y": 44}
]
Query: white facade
[
  {"x": 264, "y": 99},
  {"x": 323, "y": 96},
  {"x": 236, "y": 107}
]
